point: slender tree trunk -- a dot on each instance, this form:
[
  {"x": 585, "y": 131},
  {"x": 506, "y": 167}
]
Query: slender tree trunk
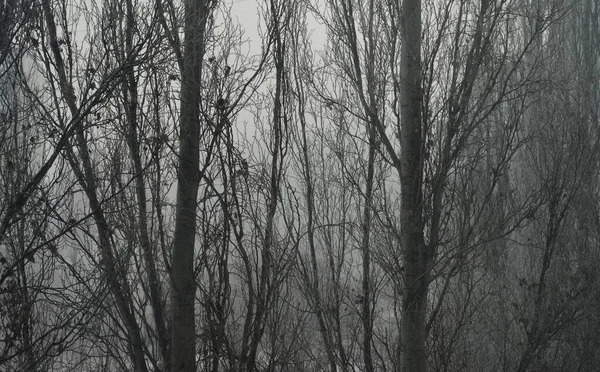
[
  {"x": 367, "y": 317},
  {"x": 131, "y": 103},
  {"x": 183, "y": 334},
  {"x": 413, "y": 245},
  {"x": 314, "y": 282},
  {"x": 83, "y": 169},
  {"x": 266, "y": 283}
]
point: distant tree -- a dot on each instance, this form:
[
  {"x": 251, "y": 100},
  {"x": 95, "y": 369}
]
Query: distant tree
[{"x": 37, "y": 294}]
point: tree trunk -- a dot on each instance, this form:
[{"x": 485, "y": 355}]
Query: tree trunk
[
  {"x": 313, "y": 283},
  {"x": 413, "y": 245},
  {"x": 367, "y": 316},
  {"x": 183, "y": 334},
  {"x": 131, "y": 108},
  {"x": 84, "y": 171}
]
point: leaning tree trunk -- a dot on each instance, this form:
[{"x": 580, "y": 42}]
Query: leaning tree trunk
[
  {"x": 413, "y": 245},
  {"x": 183, "y": 345},
  {"x": 84, "y": 171}
]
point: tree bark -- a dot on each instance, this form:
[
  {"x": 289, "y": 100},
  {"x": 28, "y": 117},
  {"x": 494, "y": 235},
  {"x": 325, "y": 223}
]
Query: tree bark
[
  {"x": 183, "y": 334},
  {"x": 413, "y": 245}
]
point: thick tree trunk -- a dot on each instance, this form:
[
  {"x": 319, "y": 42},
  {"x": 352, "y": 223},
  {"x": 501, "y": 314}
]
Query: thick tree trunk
[
  {"x": 413, "y": 245},
  {"x": 183, "y": 334}
]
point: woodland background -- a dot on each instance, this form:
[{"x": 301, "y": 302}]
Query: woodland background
[{"x": 420, "y": 193}]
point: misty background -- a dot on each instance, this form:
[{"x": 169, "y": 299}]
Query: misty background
[{"x": 297, "y": 185}]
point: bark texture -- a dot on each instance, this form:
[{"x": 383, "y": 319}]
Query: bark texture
[
  {"x": 183, "y": 343},
  {"x": 413, "y": 245}
]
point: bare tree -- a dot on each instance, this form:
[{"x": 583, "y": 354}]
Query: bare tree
[
  {"x": 183, "y": 336},
  {"x": 420, "y": 195}
]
